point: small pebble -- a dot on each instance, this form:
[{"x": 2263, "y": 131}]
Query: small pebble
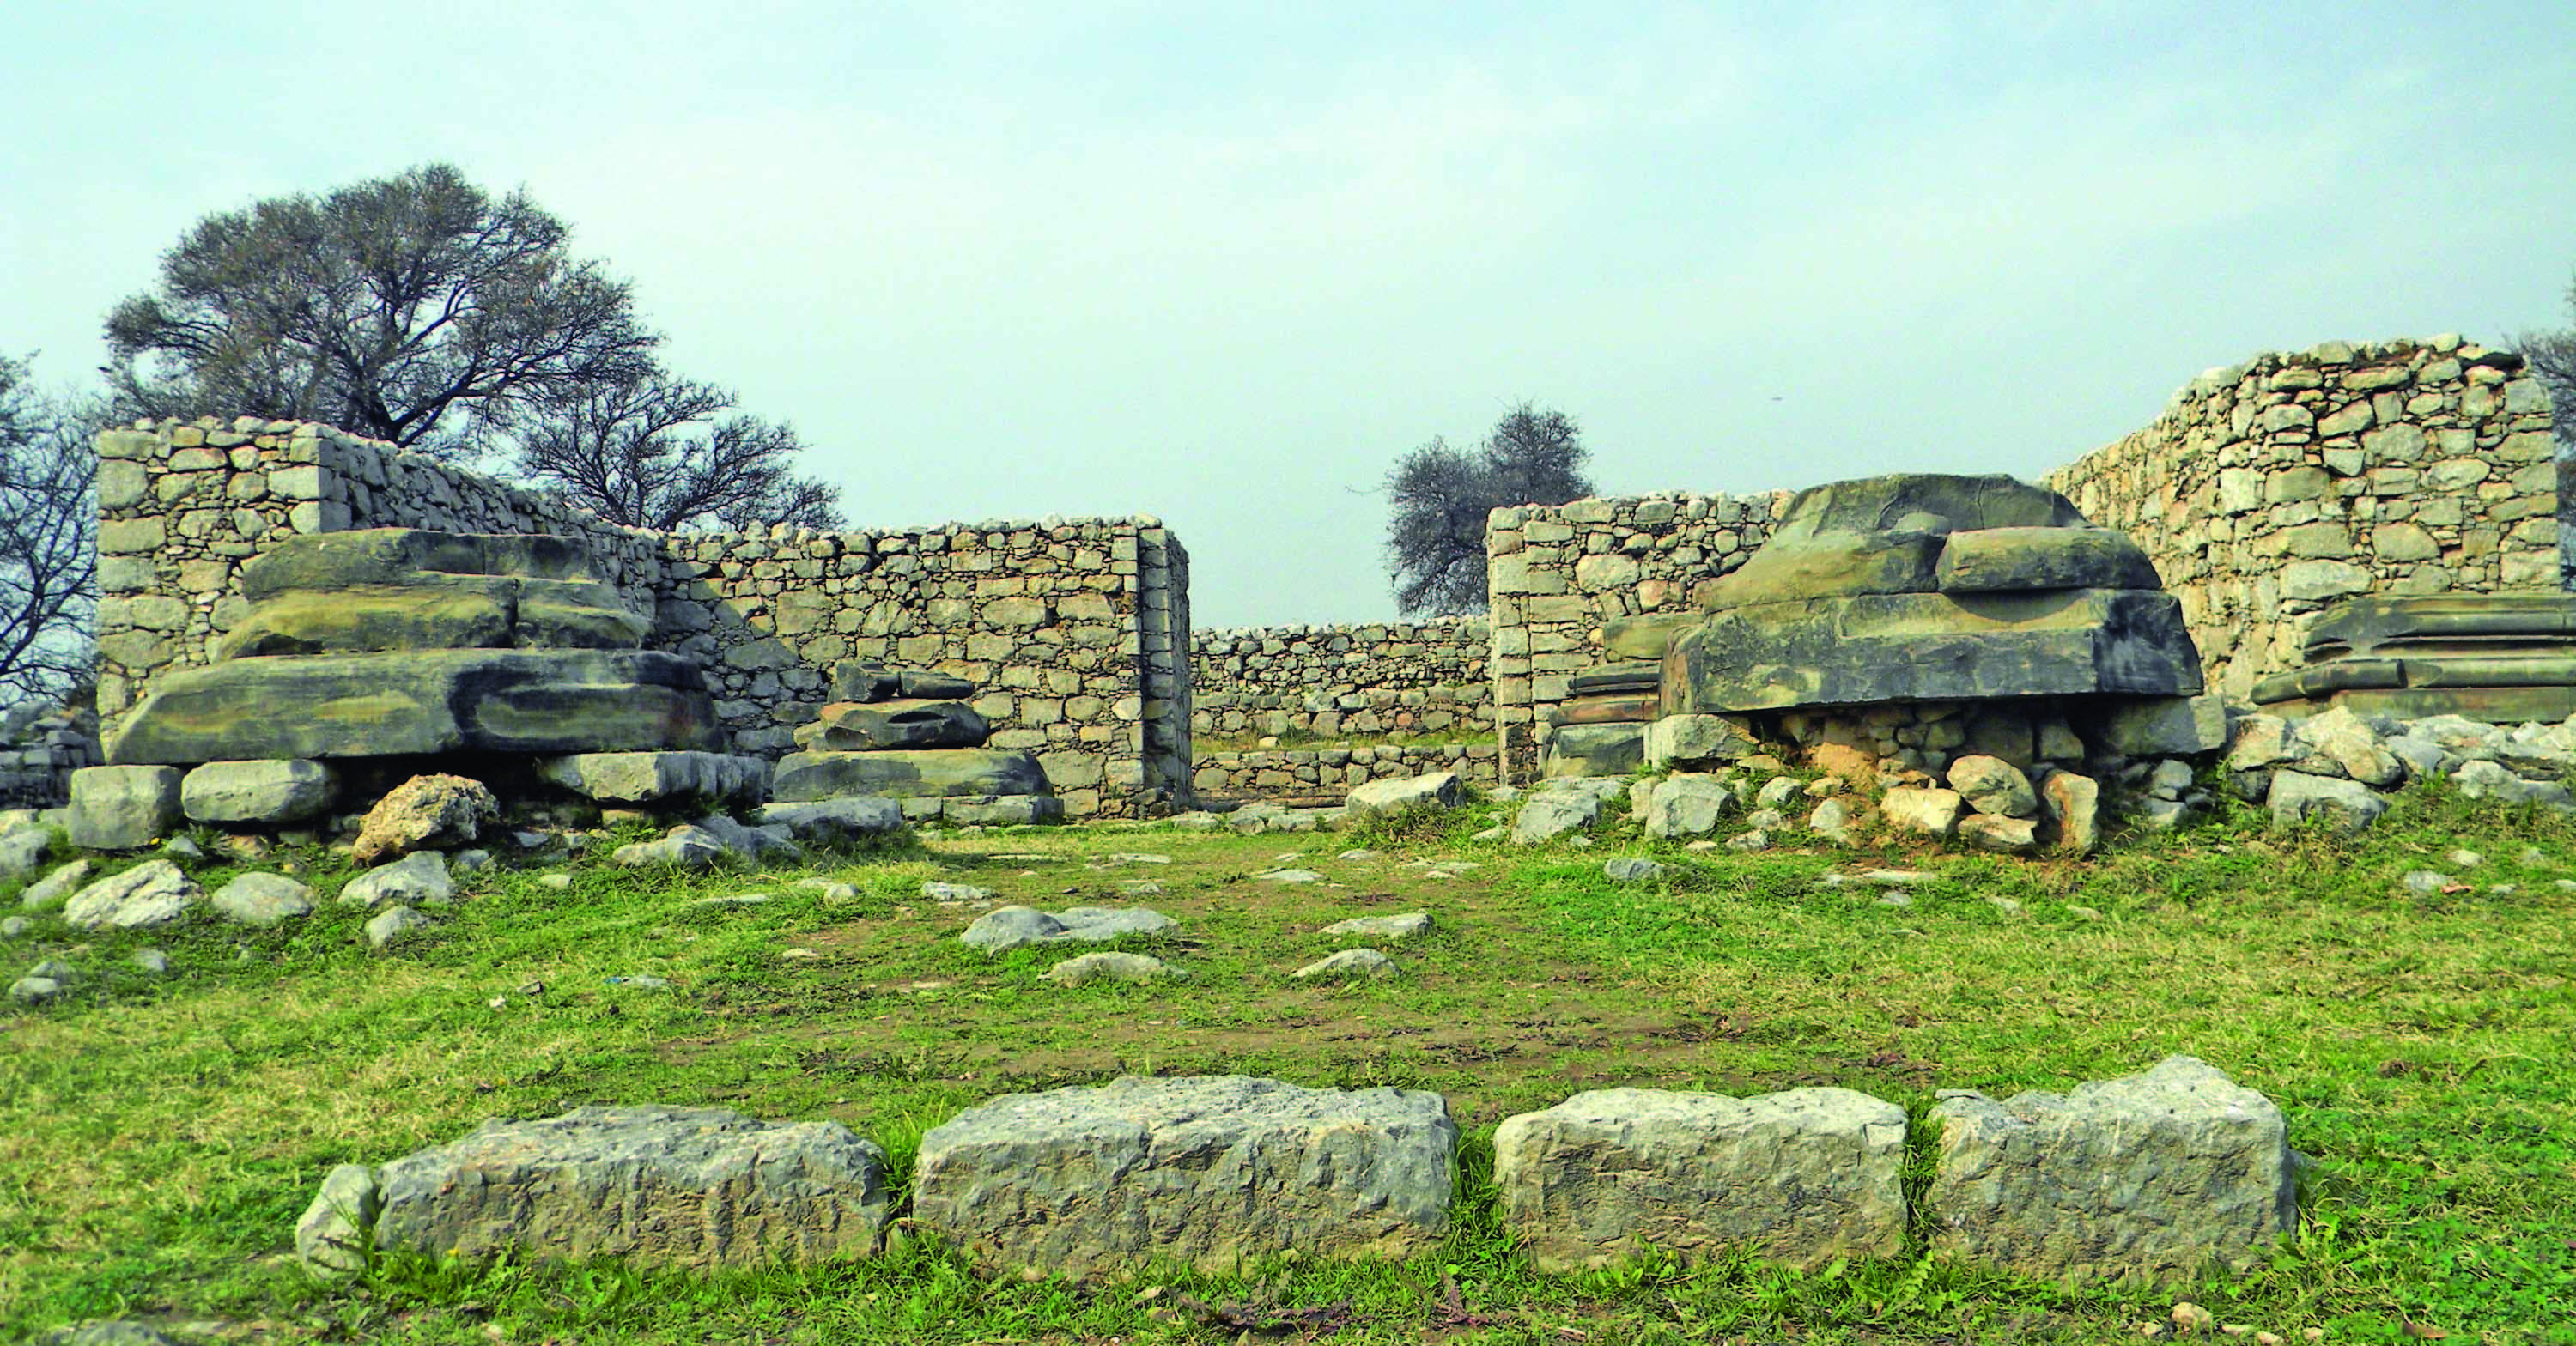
[
  {"x": 1897, "y": 899},
  {"x": 2467, "y": 859},
  {"x": 2005, "y": 905},
  {"x": 558, "y": 882},
  {"x": 2085, "y": 913},
  {"x": 152, "y": 961}
]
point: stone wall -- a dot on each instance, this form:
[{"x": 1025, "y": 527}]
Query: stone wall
[
  {"x": 40, "y": 747},
  {"x": 1077, "y": 630},
  {"x": 1558, "y": 574},
  {"x": 1326, "y": 775},
  {"x": 2270, "y": 489},
  {"x": 1377, "y": 681}
]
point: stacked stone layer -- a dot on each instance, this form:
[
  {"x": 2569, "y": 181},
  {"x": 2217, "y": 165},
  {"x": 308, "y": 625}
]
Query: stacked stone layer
[{"x": 1374, "y": 680}]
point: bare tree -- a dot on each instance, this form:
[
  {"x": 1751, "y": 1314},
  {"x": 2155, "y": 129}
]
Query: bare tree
[
  {"x": 1435, "y": 536},
  {"x": 411, "y": 308},
  {"x": 658, "y": 452},
  {"x": 48, "y": 523}
]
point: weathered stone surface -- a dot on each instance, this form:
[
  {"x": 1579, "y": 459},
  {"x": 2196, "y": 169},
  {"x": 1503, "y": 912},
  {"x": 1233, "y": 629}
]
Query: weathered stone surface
[
  {"x": 653, "y": 1186},
  {"x": 394, "y": 925},
  {"x": 1689, "y": 741},
  {"x": 1208, "y": 1173},
  {"x": 56, "y": 888},
  {"x": 1993, "y": 785},
  {"x": 2154, "y": 1176},
  {"x": 1557, "y": 807},
  {"x": 875, "y": 726},
  {"x": 1001, "y": 810},
  {"x": 118, "y": 808},
  {"x": 1006, "y": 928},
  {"x": 806, "y": 776},
  {"x": 22, "y": 851},
  {"x": 686, "y": 846},
  {"x": 422, "y": 703},
  {"x": 420, "y": 877},
  {"x": 1802, "y": 1177},
  {"x": 1993, "y": 832},
  {"x": 2345, "y": 806},
  {"x": 2164, "y": 726},
  {"x": 2072, "y": 805},
  {"x": 1110, "y": 965},
  {"x": 259, "y": 793},
  {"x": 1932, "y": 813},
  {"x": 424, "y": 813},
  {"x": 1595, "y": 750},
  {"x": 445, "y": 612},
  {"x": 1406, "y": 926},
  {"x": 2491, "y": 780},
  {"x": 836, "y": 821},
  {"x": 691, "y": 779},
  {"x": 332, "y": 1237},
  {"x": 1350, "y": 965},
  {"x": 1881, "y": 535},
  {"x": 268, "y": 899},
  {"x": 2005, "y": 560},
  {"x": 151, "y": 893},
  {"x": 2258, "y": 741},
  {"x": 1437, "y": 790},
  {"x": 2351, "y": 747},
  {"x": 857, "y": 680},
  {"x": 1687, "y": 805}
]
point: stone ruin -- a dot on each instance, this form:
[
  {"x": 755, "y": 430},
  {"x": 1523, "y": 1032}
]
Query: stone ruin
[
  {"x": 1922, "y": 617},
  {"x": 368, "y": 657},
  {"x": 2497, "y": 658}
]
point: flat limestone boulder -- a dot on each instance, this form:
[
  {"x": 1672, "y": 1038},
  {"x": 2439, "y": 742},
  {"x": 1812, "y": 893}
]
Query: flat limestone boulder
[
  {"x": 262, "y": 793},
  {"x": 1802, "y": 1177},
  {"x": 1000, "y": 810},
  {"x": 264, "y": 899},
  {"x": 835, "y": 821},
  {"x": 1595, "y": 750},
  {"x": 1204, "y": 1172},
  {"x": 422, "y": 703},
  {"x": 655, "y": 1186},
  {"x": 694, "y": 779},
  {"x": 806, "y": 776},
  {"x": 1005, "y": 928},
  {"x": 876, "y": 726},
  {"x": 2150, "y": 1177},
  {"x": 394, "y": 557}
]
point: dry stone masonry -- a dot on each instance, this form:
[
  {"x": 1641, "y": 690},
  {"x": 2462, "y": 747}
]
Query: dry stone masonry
[
  {"x": 2270, "y": 489},
  {"x": 1076, "y": 631},
  {"x": 1404, "y": 698},
  {"x": 2154, "y": 1177}
]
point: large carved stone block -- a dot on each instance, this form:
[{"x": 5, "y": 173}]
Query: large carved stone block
[{"x": 947, "y": 771}]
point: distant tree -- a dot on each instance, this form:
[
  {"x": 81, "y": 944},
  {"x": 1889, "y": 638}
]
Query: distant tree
[
  {"x": 1435, "y": 536},
  {"x": 2552, "y": 356},
  {"x": 48, "y": 563},
  {"x": 659, "y": 452},
  {"x": 412, "y": 308},
  {"x": 421, "y": 310}
]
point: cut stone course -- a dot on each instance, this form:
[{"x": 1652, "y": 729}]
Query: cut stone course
[
  {"x": 258, "y": 792},
  {"x": 119, "y": 808}
]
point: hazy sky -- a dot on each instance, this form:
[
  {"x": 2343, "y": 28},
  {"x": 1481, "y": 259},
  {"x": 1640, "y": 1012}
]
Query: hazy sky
[{"x": 1223, "y": 263}]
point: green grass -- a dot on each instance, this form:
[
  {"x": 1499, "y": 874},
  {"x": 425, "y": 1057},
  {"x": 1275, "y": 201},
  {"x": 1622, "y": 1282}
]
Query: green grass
[{"x": 159, "y": 1138}]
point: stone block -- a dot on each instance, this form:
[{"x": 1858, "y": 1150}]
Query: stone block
[
  {"x": 258, "y": 793},
  {"x": 835, "y": 821},
  {"x": 1931, "y": 813},
  {"x": 1803, "y": 1177},
  {"x": 650, "y": 1186},
  {"x": 1698, "y": 740},
  {"x": 2346, "y": 807},
  {"x": 1437, "y": 790},
  {"x": 152, "y": 893},
  {"x": 684, "y": 779},
  {"x": 2154, "y": 1177},
  {"x": 1207, "y": 1173},
  {"x": 117, "y": 808},
  {"x": 1687, "y": 805},
  {"x": 2168, "y": 726}
]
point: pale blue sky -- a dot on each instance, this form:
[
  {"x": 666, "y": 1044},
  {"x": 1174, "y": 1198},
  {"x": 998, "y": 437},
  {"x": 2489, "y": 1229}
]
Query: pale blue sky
[{"x": 1222, "y": 263}]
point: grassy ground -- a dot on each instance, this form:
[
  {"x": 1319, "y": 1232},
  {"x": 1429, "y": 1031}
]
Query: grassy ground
[{"x": 159, "y": 1138}]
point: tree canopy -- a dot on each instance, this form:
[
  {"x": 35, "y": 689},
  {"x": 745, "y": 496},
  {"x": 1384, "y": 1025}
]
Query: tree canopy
[
  {"x": 48, "y": 517},
  {"x": 422, "y": 310},
  {"x": 1435, "y": 536}
]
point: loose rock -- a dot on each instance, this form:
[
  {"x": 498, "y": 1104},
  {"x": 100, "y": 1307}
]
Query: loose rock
[
  {"x": 1350, "y": 965},
  {"x": 151, "y": 893}
]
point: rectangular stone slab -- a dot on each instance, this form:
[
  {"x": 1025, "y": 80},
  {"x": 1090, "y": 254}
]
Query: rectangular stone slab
[
  {"x": 906, "y": 774},
  {"x": 422, "y": 702},
  {"x": 1932, "y": 647}
]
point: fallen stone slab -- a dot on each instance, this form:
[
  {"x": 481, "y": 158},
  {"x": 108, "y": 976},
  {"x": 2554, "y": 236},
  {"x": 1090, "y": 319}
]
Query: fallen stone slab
[
  {"x": 653, "y": 1186},
  {"x": 54, "y": 889},
  {"x": 2155, "y": 1177},
  {"x": 151, "y": 893},
  {"x": 1209, "y": 1173},
  {"x": 1802, "y": 1177},
  {"x": 1024, "y": 810},
  {"x": 1008, "y": 928}
]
